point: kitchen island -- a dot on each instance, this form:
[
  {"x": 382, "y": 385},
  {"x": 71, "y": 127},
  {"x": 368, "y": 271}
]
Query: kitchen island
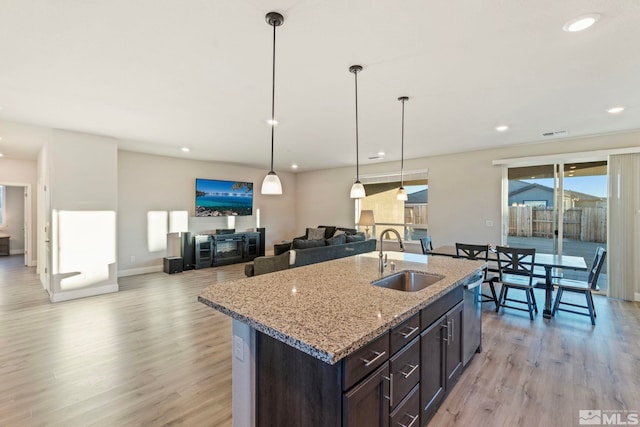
[{"x": 301, "y": 334}]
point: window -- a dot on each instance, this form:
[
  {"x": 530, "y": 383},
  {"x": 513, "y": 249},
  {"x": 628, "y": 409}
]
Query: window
[
  {"x": 409, "y": 218},
  {"x": 2, "y": 203}
]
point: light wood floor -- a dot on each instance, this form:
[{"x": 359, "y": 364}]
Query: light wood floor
[{"x": 152, "y": 355}]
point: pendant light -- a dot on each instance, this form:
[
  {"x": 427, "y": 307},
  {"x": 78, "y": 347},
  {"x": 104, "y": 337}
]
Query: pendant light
[
  {"x": 357, "y": 189},
  {"x": 271, "y": 183},
  {"x": 402, "y": 194}
]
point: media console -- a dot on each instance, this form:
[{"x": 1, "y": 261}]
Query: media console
[{"x": 212, "y": 250}]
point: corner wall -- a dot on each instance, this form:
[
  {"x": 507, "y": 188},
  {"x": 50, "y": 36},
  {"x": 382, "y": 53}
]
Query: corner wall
[{"x": 81, "y": 181}]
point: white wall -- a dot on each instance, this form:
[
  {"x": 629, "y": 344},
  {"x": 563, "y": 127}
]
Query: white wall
[
  {"x": 22, "y": 172},
  {"x": 464, "y": 188},
  {"x": 155, "y": 183},
  {"x": 81, "y": 172}
]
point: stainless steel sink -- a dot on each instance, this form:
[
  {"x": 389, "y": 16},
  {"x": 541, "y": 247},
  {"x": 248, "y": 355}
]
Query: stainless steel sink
[{"x": 408, "y": 281}]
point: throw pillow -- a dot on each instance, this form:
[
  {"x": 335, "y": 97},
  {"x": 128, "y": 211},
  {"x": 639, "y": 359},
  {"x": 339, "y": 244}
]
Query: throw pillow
[
  {"x": 306, "y": 244},
  {"x": 329, "y": 230},
  {"x": 355, "y": 238},
  {"x": 337, "y": 240},
  {"x": 315, "y": 233},
  {"x": 338, "y": 233}
]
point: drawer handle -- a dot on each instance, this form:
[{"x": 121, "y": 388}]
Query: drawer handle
[
  {"x": 368, "y": 363},
  {"x": 408, "y": 374},
  {"x": 414, "y": 418},
  {"x": 411, "y": 332},
  {"x": 448, "y": 327},
  {"x": 390, "y": 397}
]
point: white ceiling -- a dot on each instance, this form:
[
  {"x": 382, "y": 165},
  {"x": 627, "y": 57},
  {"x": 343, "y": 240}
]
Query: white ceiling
[{"x": 163, "y": 74}]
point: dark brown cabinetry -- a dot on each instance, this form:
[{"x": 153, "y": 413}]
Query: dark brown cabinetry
[
  {"x": 366, "y": 404},
  {"x": 398, "y": 379},
  {"x": 441, "y": 358}
]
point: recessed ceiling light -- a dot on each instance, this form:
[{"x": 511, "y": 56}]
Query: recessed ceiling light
[
  {"x": 615, "y": 110},
  {"x": 502, "y": 128},
  {"x": 294, "y": 166},
  {"x": 572, "y": 167},
  {"x": 185, "y": 149},
  {"x": 1, "y": 154},
  {"x": 581, "y": 23},
  {"x": 272, "y": 122},
  {"x": 380, "y": 153}
]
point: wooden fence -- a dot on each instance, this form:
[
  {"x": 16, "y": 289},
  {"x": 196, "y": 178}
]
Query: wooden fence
[{"x": 585, "y": 224}]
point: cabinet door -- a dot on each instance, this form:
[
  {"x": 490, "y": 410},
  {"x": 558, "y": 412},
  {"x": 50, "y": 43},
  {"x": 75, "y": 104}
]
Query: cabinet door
[
  {"x": 367, "y": 404},
  {"x": 432, "y": 356},
  {"x": 454, "y": 346}
]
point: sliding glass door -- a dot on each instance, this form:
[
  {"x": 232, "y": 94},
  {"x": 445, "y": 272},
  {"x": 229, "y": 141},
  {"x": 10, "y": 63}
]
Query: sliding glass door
[
  {"x": 558, "y": 208},
  {"x": 585, "y": 213},
  {"x": 532, "y": 207}
]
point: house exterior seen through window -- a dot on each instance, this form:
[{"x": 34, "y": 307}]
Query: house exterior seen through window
[{"x": 409, "y": 218}]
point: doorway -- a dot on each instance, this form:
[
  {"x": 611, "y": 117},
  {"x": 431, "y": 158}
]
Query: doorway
[
  {"x": 558, "y": 208},
  {"x": 16, "y": 218}
]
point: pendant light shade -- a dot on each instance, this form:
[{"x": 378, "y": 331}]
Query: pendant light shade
[
  {"x": 271, "y": 183},
  {"x": 402, "y": 193},
  {"x": 357, "y": 189}
]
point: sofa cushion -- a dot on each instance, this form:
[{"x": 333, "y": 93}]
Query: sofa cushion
[
  {"x": 329, "y": 230},
  {"x": 315, "y": 233},
  {"x": 269, "y": 264},
  {"x": 340, "y": 239},
  {"x": 355, "y": 238},
  {"x": 306, "y": 244}
]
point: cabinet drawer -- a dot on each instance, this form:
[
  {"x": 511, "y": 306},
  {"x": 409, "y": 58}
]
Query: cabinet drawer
[
  {"x": 408, "y": 412},
  {"x": 365, "y": 360},
  {"x": 405, "y": 371},
  {"x": 439, "y": 307},
  {"x": 405, "y": 332}
]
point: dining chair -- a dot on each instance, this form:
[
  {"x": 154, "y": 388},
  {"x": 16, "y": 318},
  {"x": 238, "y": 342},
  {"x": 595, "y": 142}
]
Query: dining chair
[
  {"x": 481, "y": 253},
  {"x": 516, "y": 272},
  {"x": 582, "y": 287},
  {"x": 427, "y": 244}
]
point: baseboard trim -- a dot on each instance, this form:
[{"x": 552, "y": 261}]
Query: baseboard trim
[
  {"x": 637, "y": 298},
  {"x": 141, "y": 270},
  {"x": 83, "y": 293},
  {"x": 16, "y": 252}
]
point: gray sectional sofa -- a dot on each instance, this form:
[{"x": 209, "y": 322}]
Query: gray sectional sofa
[{"x": 311, "y": 251}]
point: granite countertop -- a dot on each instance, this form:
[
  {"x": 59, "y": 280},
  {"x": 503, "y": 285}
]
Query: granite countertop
[{"x": 330, "y": 309}]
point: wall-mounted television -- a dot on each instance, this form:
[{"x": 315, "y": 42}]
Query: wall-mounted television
[{"x": 223, "y": 198}]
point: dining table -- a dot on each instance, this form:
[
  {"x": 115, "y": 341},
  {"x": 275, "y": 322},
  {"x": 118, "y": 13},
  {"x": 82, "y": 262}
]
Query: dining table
[{"x": 547, "y": 261}]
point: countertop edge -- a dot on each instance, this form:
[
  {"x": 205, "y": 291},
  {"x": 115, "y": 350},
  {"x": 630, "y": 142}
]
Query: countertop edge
[{"x": 333, "y": 358}]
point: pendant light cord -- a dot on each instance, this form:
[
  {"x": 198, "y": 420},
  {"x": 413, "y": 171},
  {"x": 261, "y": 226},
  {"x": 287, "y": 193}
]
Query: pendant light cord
[
  {"x": 357, "y": 154},
  {"x": 273, "y": 94},
  {"x": 402, "y": 150}
]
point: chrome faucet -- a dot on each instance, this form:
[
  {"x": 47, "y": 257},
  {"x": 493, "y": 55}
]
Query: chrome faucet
[{"x": 382, "y": 263}]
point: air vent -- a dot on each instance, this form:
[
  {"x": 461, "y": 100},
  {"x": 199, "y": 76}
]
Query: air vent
[{"x": 556, "y": 133}]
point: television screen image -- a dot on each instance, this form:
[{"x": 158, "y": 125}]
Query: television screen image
[{"x": 223, "y": 198}]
